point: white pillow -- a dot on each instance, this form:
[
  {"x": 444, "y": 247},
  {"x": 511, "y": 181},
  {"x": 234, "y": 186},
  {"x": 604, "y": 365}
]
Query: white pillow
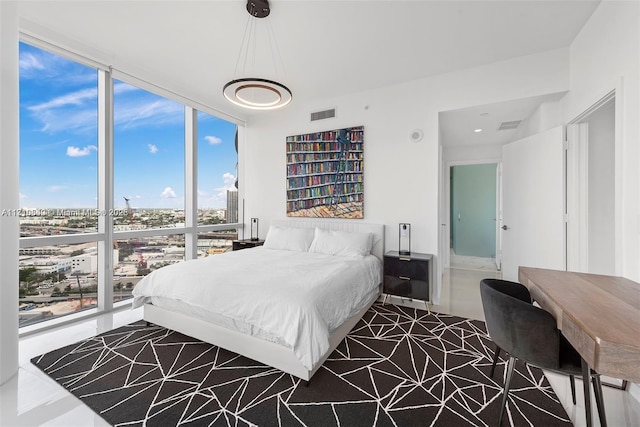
[
  {"x": 341, "y": 243},
  {"x": 289, "y": 238}
]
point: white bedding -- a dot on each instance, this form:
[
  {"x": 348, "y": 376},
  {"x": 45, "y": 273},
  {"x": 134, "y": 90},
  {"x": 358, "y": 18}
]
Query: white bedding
[{"x": 296, "y": 297}]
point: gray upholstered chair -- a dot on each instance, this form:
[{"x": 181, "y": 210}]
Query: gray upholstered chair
[
  {"x": 529, "y": 333},
  {"x": 522, "y": 293}
]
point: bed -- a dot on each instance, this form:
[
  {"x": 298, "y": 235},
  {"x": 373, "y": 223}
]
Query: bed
[{"x": 287, "y": 304}]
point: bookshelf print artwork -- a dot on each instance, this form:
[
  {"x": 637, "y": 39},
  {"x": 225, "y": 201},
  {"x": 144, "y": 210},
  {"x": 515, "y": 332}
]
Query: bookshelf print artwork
[{"x": 324, "y": 174}]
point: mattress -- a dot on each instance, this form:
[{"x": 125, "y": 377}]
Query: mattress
[{"x": 293, "y": 298}]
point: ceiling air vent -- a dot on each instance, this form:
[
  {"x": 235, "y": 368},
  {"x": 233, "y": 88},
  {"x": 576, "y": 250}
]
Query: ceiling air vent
[
  {"x": 321, "y": 115},
  {"x": 509, "y": 125}
]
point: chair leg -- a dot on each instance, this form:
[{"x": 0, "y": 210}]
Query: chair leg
[
  {"x": 572, "y": 382},
  {"x": 496, "y": 355},
  {"x": 507, "y": 382},
  {"x": 597, "y": 390}
]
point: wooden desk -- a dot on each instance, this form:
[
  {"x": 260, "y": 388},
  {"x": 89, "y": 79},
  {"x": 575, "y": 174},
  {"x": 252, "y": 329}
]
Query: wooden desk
[{"x": 599, "y": 316}]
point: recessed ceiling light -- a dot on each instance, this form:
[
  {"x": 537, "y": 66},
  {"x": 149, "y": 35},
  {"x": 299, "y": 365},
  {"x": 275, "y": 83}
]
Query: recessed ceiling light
[{"x": 477, "y": 130}]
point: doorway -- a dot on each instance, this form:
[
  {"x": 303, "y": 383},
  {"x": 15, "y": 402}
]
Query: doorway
[
  {"x": 591, "y": 190},
  {"x": 473, "y": 216}
]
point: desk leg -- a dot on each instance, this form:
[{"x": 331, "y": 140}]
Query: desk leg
[{"x": 586, "y": 381}]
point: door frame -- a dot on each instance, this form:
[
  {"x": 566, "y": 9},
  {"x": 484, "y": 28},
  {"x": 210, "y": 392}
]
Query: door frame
[
  {"x": 576, "y": 249},
  {"x": 445, "y": 221}
]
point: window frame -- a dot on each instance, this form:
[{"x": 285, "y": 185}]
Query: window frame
[{"x": 105, "y": 236}]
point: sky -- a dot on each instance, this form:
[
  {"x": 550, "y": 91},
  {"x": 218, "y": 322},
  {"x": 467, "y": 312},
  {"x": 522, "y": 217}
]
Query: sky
[{"x": 59, "y": 141}]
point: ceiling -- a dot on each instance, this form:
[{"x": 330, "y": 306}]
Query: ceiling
[
  {"x": 483, "y": 124},
  {"x": 328, "y": 47}
]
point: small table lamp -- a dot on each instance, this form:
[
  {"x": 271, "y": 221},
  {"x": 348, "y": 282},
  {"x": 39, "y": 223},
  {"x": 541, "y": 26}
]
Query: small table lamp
[{"x": 404, "y": 238}]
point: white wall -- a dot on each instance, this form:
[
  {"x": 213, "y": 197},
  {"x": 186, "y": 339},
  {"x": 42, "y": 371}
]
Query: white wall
[
  {"x": 547, "y": 116},
  {"x": 401, "y": 177},
  {"x": 473, "y": 154},
  {"x": 9, "y": 124},
  {"x": 604, "y": 57}
]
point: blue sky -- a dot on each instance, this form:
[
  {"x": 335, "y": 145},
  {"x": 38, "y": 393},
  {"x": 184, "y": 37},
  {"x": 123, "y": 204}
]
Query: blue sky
[{"x": 59, "y": 139}]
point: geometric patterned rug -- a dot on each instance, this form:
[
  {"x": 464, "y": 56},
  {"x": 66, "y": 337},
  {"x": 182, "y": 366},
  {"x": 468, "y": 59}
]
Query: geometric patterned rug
[{"x": 398, "y": 367}]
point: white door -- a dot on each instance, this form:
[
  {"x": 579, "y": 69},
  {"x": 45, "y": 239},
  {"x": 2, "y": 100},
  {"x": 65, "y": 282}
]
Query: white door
[{"x": 533, "y": 229}]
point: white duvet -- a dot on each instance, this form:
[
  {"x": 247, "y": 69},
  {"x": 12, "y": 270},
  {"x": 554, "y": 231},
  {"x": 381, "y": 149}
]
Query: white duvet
[{"x": 298, "y": 297}]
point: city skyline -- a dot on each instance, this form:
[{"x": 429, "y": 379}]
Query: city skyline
[{"x": 59, "y": 142}]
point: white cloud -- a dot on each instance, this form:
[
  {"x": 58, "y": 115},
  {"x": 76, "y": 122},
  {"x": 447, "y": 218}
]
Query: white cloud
[
  {"x": 53, "y": 145},
  {"x": 23, "y": 196},
  {"x": 218, "y": 198},
  {"x": 134, "y": 112},
  {"x": 80, "y": 152},
  {"x": 35, "y": 63},
  {"x": 120, "y": 88},
  {"x": 74, "y": 98},
  {"x": 54, "y": 188},
  {"x": 168, "y": 193},
  {"x": 229, "y": 181},
  {"x": 70, "y": 112},
  {"x": 153, "y": 149},
  {"x": 29, "y": 61},
  {"x": 212, "y": 140}
]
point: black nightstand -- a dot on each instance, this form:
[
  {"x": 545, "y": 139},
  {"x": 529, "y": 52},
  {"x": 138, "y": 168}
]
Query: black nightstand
[
  {"x": 246, "y": 244},
  {"x": 408, "y": 276}
]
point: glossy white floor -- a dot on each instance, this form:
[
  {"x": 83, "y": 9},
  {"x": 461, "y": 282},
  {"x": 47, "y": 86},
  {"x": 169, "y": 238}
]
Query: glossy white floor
[{"x": 30, "y": 398}]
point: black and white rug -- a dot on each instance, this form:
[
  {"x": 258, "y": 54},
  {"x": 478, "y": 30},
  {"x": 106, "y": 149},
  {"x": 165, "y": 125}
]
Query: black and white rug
[{"x": 397, "y": 367}]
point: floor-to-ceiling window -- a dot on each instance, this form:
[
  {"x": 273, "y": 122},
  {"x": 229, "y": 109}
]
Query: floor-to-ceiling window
[
  {"x": 58, "y": 185},
  {"x": 148, "y": 175},
  {"x": 75, "y": 161},
  {"x": 217, "y": 193}
]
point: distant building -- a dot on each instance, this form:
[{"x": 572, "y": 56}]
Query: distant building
[
  {"x": 84, "y": 264},
  {"x": 232, "y": 206},
  {"x": 47, "y": 265}
]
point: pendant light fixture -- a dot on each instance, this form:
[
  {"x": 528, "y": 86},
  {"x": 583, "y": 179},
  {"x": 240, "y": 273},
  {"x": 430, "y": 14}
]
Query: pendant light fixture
[{"x": 252, "y": 92}]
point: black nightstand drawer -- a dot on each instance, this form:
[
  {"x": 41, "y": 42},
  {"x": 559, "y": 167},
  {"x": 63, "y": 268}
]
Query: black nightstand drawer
[
  {"x": 406, "y": 267},
  {"x": 414, "y": 289}
]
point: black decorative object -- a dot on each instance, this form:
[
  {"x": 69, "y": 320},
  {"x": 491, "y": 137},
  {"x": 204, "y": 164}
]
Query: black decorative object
[
  {"x": 404, "y": 238},
  {"x": 254, "y": 229}
]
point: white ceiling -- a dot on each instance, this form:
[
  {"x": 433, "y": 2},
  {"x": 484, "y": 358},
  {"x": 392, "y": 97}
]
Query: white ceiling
[
  {"x": 458, "y": 127},
  {"x": 328, "y": 47}
]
